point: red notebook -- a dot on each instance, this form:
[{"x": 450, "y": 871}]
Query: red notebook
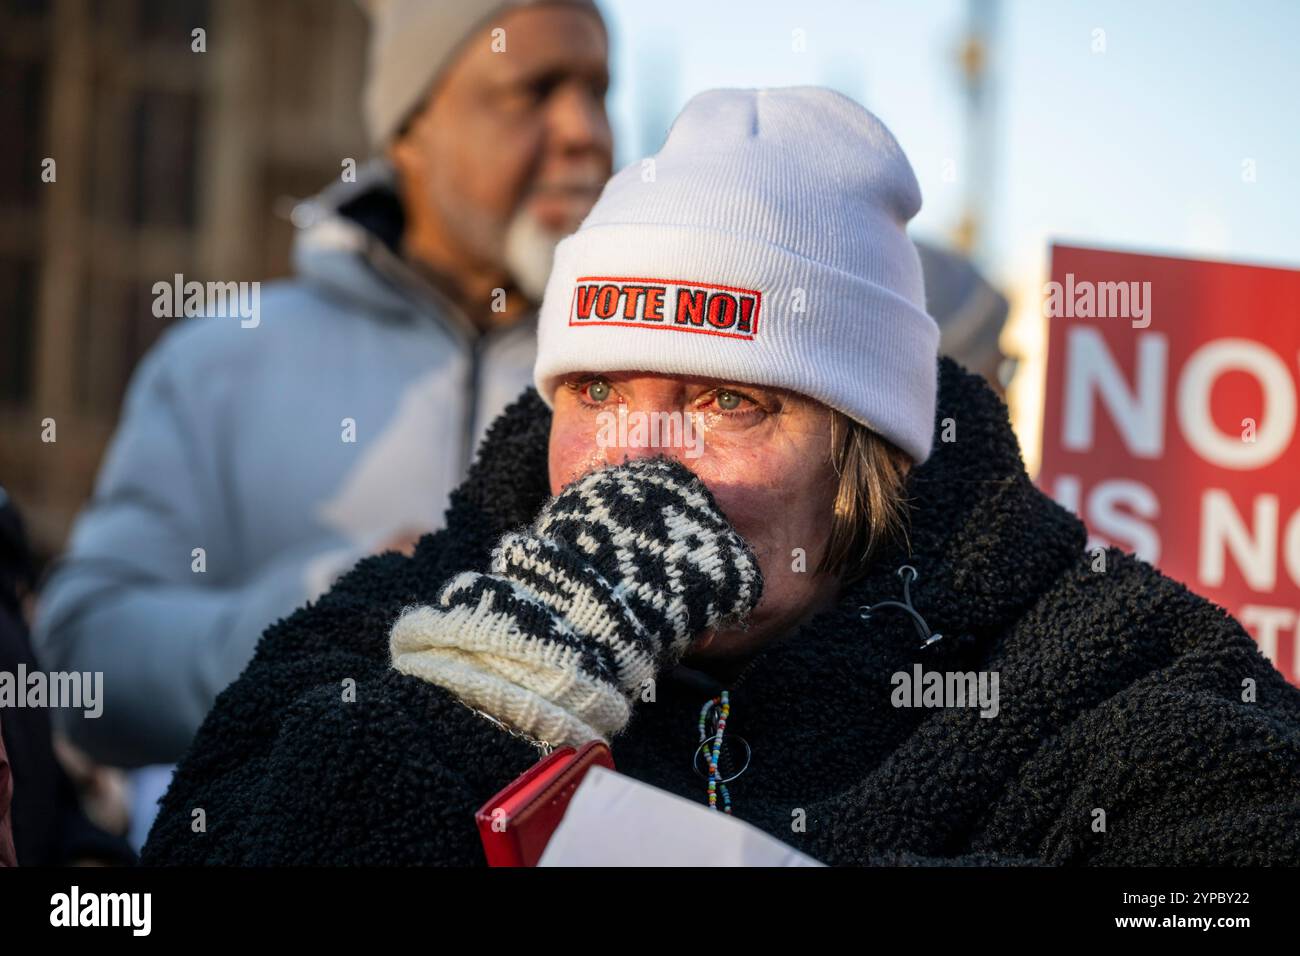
[{"x": 516, "y": 824}]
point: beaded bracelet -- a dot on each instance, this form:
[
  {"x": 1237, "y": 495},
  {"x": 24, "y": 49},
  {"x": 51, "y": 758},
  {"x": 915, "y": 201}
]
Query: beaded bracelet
[{"x": 722, "y": 705}]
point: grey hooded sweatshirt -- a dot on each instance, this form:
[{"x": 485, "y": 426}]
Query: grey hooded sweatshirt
[{"x": 257, "y": 460}]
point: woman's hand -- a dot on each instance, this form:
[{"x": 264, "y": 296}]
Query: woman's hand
[{"x": 617, "y": 575}]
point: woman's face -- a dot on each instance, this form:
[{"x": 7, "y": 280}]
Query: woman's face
[{"x": 763, "y": 452}]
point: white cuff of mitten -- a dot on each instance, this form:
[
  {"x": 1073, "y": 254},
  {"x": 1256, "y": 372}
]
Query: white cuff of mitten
[{"x": 533, "y": 689}]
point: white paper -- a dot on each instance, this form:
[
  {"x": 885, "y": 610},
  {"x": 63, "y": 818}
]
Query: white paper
[{"x": 613, "y": 820}]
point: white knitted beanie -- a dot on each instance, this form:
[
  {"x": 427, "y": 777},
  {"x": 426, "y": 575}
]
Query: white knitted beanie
[
  {"x": 411, "y": 43},
  {"x": 765, "y": 244}
]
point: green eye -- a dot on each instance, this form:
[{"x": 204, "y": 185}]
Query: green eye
[
  {"x": 598, "y": 390},
  {"x": 728, "y": 401}
]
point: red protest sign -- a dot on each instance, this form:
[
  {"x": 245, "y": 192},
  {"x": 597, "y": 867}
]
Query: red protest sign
[{"x": 1170, "y": 424}]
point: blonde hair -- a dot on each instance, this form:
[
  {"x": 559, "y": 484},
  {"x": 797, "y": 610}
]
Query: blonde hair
[{"x": 870, "y": 508}]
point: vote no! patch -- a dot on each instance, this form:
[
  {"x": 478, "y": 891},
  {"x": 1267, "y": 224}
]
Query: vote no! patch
[{"x": 666, "y": 304}]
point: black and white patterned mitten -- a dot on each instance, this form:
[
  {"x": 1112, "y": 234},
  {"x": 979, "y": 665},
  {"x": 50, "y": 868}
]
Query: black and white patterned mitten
[{"x": 615, "y": 578}]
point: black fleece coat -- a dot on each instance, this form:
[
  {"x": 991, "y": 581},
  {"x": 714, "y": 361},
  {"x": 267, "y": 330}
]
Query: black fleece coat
[{"x": 1122, "y": 735}]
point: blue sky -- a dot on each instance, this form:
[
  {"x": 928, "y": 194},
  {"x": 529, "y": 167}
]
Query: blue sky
[{"x": 1140, "y": 146}]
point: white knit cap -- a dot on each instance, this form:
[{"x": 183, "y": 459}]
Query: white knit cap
[
  {"x": 765, "y": 244},
  {"x": 412, "y": 42}
]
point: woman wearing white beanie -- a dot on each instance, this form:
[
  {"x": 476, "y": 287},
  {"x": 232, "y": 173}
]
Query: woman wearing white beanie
[{"x": 747, "y": 514}]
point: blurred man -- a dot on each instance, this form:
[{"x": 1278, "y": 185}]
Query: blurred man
[{"x": 255, "y": 461}]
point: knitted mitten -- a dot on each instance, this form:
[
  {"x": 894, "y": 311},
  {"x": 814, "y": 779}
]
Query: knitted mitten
[{"x": 615, "y": 578}]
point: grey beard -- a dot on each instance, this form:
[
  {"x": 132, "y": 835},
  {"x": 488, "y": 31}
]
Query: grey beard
[{"x": 529, "y": 252}]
